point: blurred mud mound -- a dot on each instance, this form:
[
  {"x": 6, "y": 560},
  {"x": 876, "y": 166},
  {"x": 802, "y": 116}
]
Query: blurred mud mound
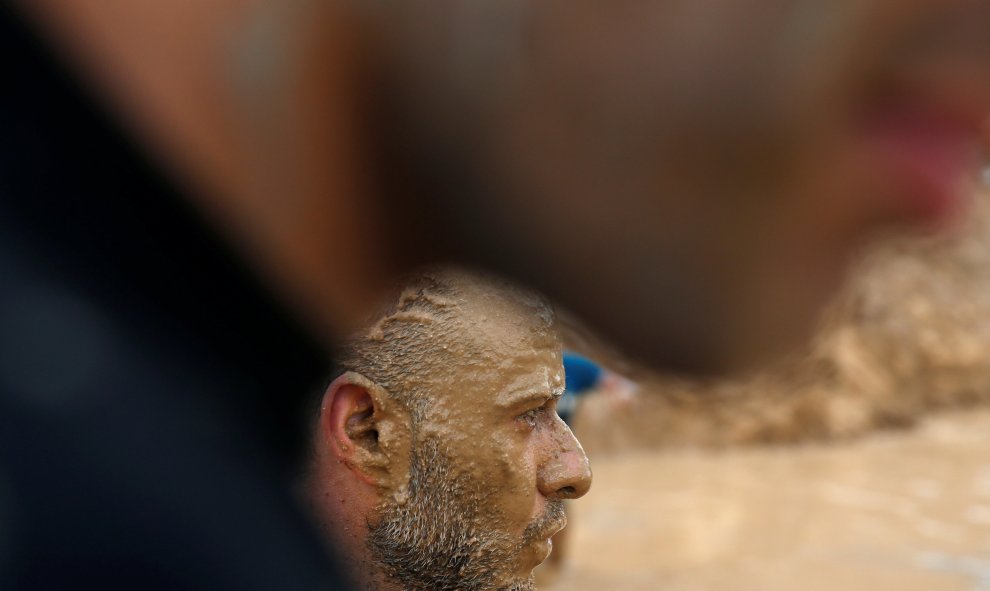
[{"x": 910, "y": 336}]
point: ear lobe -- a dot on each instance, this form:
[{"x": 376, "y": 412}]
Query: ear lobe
[{"x": 349, "y": 426}]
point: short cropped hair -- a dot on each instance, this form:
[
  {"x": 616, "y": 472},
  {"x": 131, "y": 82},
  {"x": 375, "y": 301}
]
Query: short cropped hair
[{"x": 423, "y": 331}]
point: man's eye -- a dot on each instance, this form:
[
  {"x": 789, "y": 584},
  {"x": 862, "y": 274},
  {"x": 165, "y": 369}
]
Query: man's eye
[{"x": 531, "y": 417}]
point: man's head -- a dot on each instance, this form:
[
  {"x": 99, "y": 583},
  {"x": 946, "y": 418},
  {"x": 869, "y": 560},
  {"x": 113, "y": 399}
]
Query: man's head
[{"x": 439, "y": 458}]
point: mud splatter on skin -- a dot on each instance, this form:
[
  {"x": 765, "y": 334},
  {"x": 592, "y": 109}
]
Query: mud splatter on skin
[
  {"x": 441, "y": 540},
  {"x": 475, "y": 365}
]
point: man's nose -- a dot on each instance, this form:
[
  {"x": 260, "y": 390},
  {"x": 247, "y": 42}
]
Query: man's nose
[{"x": 566, "y": 474}]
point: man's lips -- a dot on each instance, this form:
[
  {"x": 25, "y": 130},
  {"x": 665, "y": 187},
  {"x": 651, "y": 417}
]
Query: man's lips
[
  {"x": 546, "y": 527},
  {"x": 552, "y": 528},
  {"x": 550, "y": 521}
]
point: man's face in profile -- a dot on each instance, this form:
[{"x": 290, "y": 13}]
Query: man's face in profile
[{"x": 490, "y": 462}]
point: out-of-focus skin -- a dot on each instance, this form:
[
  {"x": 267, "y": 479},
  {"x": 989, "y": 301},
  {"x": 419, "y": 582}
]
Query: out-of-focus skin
[
  {"x": 715, "y": 163},
  {"x": 232, "y": 97}
]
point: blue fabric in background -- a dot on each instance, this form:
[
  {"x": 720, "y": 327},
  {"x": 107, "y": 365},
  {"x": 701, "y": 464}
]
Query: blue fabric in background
[{"x": 581, "y": 375}]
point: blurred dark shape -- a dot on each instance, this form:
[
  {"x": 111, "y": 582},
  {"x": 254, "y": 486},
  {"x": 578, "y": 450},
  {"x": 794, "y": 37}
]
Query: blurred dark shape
[
  {"x": 690, "y": 177},
  {"x": 147, "y": 416},
  {"x": 717, "y": 164}
]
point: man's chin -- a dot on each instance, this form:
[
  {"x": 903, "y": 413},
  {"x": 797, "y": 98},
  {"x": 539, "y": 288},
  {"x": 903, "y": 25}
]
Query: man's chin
[
  {"x": 538, "y": 537},
  {"x": 539, "y": 549}
]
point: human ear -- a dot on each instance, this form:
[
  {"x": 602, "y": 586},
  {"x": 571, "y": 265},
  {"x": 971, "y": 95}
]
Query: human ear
[{"x": 354, "y": 416}]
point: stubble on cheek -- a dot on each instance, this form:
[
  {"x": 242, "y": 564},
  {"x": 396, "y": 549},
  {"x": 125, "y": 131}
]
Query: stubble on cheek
[{"x": 445, "y": 536}]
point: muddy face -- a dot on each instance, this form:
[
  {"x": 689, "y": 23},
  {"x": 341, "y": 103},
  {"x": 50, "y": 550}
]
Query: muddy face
[{"x": 491, "y": 461}]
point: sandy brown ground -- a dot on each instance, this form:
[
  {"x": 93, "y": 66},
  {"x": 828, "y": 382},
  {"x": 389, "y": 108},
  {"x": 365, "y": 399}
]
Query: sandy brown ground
[{"x": 906, "y": 511}]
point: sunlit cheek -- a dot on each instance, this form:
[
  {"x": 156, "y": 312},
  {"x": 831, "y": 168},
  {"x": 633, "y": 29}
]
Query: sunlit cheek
[
  {"x": 509, "y": 455},
  {"x": 520, "y": 494}
]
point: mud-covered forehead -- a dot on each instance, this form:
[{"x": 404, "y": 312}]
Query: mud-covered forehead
[
  {"x": 473, "y": 313},
  {"x": 455, "y": 331},
  {"x": 494, "y": 334},
  {"x": 500, "y": 318},
  {"x": 505, "y": 347}
]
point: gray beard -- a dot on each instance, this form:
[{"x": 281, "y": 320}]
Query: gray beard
[{"x": 437, "y": 539}]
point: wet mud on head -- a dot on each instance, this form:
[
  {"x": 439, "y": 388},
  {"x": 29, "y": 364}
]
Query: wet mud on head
[{"x": 474, "y": 362}]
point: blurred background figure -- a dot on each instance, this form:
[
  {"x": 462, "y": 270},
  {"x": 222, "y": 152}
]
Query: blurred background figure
[
  {"x": 198, "y": 198},
  {"x": 583, "y": 376},
  {"x": 721, "y": 161},
  {"x": 580, "y": 376}
]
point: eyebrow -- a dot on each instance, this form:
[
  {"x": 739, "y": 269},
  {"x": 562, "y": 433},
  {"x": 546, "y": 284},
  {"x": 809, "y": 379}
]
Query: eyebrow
[{"x": 523, "y": 397}]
